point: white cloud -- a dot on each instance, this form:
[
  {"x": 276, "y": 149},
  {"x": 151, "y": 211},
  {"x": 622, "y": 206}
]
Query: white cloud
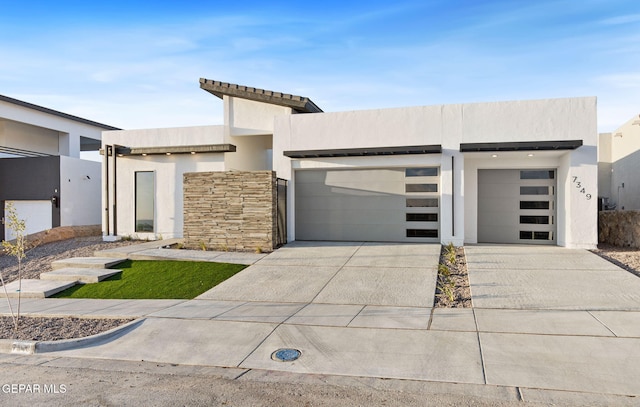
[{"x": 623, "y": 19}]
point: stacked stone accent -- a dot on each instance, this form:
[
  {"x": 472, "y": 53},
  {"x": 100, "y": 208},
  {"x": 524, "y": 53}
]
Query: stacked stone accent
[
  {"x": 619, "y": 228},
  {"x": 232, "y": 210}
]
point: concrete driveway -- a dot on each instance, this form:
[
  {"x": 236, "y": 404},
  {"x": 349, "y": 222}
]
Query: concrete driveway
[
  {"x": 546, "y": 321},
  {"x": 548, "y": 277},
  {"x": 344, "y": 273}
]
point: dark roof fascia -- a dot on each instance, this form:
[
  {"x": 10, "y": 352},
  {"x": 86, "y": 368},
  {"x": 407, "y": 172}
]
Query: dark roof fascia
[
  {"x": 23, "y": 153},
  {"x": 300, "y": 104},
  {"x": 359, "y": 152},
  {"x": 200, "y": 149},
  {"x": 521, "y": 146},
  {"x": 56, "y": 113}
]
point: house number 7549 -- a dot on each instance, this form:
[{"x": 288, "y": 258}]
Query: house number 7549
[{"x": 578, "y": 184}]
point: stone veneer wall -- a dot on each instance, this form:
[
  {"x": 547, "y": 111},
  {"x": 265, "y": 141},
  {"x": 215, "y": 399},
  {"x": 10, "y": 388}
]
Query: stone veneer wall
[
  {"x": 231, "y": 210},
  {"x": 619, "y": 228}
]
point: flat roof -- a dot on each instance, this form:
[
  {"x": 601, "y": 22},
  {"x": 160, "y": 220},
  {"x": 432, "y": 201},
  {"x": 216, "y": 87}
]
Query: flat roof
[
  {"x": 168, "y": 150},
  {"x": 55, "y": 113},
  {"x": 521, "y": 146},
  {"x": 300, "y": 104},
  {"x": 357, "y": 152}
]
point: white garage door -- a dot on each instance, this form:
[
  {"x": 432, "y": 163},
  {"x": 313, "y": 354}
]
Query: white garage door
[
  {"x": 517, "y": 206},
  {"x": 387, "y": 204}
]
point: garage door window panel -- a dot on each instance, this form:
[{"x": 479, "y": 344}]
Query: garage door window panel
[
  {"x": 535, "y": 205},
  {"x": 421, "y": 172},
  {"x": 422, "y": 202},
  {"x": 535, "y": 220},
  {"x": 422, "y": 233},
  {"x": 421, "y": 188},
  {"x": 537, "y": 174},
  {"x": 421, "y": 217},
  {"x": 535, "y": 190}
]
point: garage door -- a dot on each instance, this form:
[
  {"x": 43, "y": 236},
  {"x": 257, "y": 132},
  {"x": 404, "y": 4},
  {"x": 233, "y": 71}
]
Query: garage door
[
  {"x": 517, "y": 206},
  {"x": 386, "y": 205}
]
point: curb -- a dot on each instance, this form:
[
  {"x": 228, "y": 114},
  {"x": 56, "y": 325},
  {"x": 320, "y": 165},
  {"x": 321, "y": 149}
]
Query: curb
[{"x": 21, "y": 347}]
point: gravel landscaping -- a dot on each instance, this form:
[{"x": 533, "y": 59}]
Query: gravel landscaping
[
  {"x": 625, "y": 257},
  {"x": 38, "y": 260},
  {"x": 452, "y": 290},
  {"x": 53, "y": 329}
]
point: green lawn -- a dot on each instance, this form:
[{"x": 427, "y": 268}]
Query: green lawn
[{"x": 142, "y": 279}]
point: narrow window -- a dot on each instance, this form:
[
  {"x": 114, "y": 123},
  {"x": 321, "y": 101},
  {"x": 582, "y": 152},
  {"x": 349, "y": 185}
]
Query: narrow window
[
  {"x": 534, "y": 204},
  {"x": 526, "y": 235},
  {"x": 421, "y": 172},
  {"x": 422, "y": 233},
  {"x": 421, "y": 188},
  {"x": 534, "y": 190},
  {"x": 534, "y": 220},
  {"x": 422, "y": 202},
  {"x": 541, "y": 235},
  {"x": 529, "y": 235},
  {"x": 537, "y": 174},
  {"x": 145, "y": 181},
  {"x": 422, "y": 217}
]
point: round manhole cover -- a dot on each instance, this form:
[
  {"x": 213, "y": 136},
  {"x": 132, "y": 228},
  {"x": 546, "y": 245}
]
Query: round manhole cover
[{"x": 286, "y": 355}]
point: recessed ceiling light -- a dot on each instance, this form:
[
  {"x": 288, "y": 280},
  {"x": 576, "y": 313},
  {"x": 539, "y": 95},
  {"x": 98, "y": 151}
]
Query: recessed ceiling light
[
  {"x": 494, "y": 155},
  {"x": 144, "y": 154},
  {"x": 193, "y": 152},
  {"x": 168, "y": 153},
  {"x": 530, "y": 155}
]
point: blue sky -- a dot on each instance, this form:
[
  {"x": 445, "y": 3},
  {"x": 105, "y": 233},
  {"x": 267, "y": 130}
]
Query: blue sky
[{"x": 136, "y": 64}]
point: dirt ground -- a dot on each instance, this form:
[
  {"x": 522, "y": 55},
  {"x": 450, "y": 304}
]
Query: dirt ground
[{"x": 148, "y": 384}]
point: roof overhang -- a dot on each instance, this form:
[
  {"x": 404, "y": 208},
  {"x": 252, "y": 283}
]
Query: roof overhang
[
  {"x": 56, "y": 113},
  {"x": 521, "y": 146},
  {"x": 168, "y": 150},
  {"x": 359, "y": 152},
  {"x": 300, "y": 104}
]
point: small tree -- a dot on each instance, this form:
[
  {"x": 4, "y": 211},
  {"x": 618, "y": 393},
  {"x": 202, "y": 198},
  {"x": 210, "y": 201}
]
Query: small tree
[{"x": 16, "y": 249}]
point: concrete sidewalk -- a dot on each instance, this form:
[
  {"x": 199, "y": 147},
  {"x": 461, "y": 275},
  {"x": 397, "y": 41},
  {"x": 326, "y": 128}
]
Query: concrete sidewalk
[{"x": 365, "y": 309}]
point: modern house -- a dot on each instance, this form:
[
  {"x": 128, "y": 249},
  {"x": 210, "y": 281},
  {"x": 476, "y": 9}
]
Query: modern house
[
  {"x": 520, "y": 172},
  {"x": 619, "y": 166},
  {"x": 41, "y": 171}
]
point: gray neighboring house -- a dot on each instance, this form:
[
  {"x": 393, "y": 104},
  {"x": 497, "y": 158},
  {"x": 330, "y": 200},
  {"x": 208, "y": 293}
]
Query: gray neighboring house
[{"x": 41, "y": 171}]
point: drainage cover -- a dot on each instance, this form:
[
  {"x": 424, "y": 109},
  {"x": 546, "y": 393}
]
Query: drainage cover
[{"x": 286, "y": 355}]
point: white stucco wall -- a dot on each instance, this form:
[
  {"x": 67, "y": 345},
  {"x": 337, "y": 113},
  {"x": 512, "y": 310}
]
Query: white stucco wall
[
  {"x": 450, "y": 125},
  {"x": 80, "y": 190},
  {"x": 252, "y": 153},
  {"x": 247, "y": 117},
  {"x": 173, "y": 136},
  {"x": 625, "y": 165},
  {"x": 37, "y": 216},
  {"x": 27, "y": 137},
  {"x": 604, "y": 165},
  {"x": 168, "y": 172}
]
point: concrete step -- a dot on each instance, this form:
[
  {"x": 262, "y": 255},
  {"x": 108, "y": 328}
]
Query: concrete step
[
  {"x": 32, "y": 288},
  {"x": 87, "y": 262},
  {"x": 126, "y": 251},
  {"x": 82, "y": 275}
]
